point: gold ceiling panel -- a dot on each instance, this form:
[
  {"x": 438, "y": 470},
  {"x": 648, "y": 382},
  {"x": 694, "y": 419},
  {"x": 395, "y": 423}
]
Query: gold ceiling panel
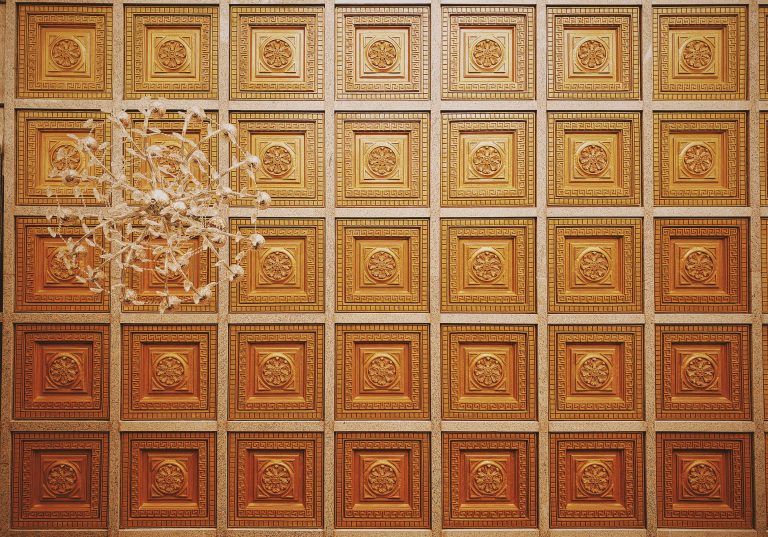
[
  {"x": 149, "y": 284},
  {"x": 488, "y": 265},
  {"x": 65, "y": 51},
  {"x": 285, "y": 275},
  {"x": 488, "y": 52},
  {"x": 488, "y": 159},
  {"x": 168, "y": 127},
  {"x": 46, "y": 148},
  {"x": 594, "y": 52},
  {"x": 703, "y": 372},
  {"x": 489, "y": 372},
  {"x": 172, "y": 52},
  {"x": 276, "y": 374},
  {"x": 763, "y": 158},
  {"x": 595, "y": 372},
  {"x": 763, "y": 38},
  {"x": 381, "y": 372},
  {"x": 702, "y": 265},
  {"x": 474, "y": 480},
  {"x": 382, "y": 52},
  {"x": 44, "y": 283},
  {"x": 701, "y": 52},
  {"x": 382, "y": 159},
  {"x": 594, "y": 159},
  {"x": 594, "y": 265},
  {"x": 169, "y": 372},
  {"x": 700, "y": 158},
  {"x": 289, "y": 467},
  {"x": 291, "y": 149},
  {"x": 276, "y": 52},
  {"x": 382, "y": 265}
]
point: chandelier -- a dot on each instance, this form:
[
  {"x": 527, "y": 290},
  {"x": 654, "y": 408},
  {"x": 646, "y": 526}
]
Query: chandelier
[{"x": 168, "y": 206}]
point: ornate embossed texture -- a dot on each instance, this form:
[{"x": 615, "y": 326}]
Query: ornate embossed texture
[
  {"x": 149, "y": 284},
  {"x": 594, "y": 159},
  {"x": 168, "y": 475},
  {"x": 487, "y": 52},
  {"x": 382, "y": 480},
  {"x": 382, "y": 52},
  {"x": 700, "y": 159},
  {"x": 488, "y": 372},
  {"x": 700, "y": 52},
  {"x": 597, "y": 480},
  {"x": 275, "y": 480},
  {"x": 762, "y": 27},
  {"x": 277, "y": 52},
  {"x": 172, "y": 52},
  {"x": 763, "y": 158},
  {"x": 382, "y": 160},
  {"x": 596, "y": 372},
  {"x": 64, "y": 51},
  {"x": 169, "y": 372},
  {"x": 291, "y": 149},
  {"x": 703, "y": 372},
  {"x": 594, "y": 265},
  {"x": 489, "y": 480},
  {"x": 488, "y": 265},
  {"x": 61, "y": 371},
  {"x": 43, "y": 281},
  {"x": 702, "y": 265},
  {"x": 704, "y": 480},
  {"x": 488, "y": 159},
  {"x": 382, "y": 265},
  {"x": 168, "y": 128},
  {"x": 288, "y": 273},
  {"x": 59, "y": 480},
  {"x": 593, "y": 53},
  {"x": 43, "y": 147},
  {"x": 276, "y": 371},
  {"x": 382, "y": 371},
  {"x": 284, "y": 360}
]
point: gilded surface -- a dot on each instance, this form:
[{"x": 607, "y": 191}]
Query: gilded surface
[
  {"x": 276, "y": 375},
  {"x": 597, "y": 480},
  {"x": 593, "y": 53},
  {"x": 514, "y": 277},
  {"x": 596, "y": 372},
  {"x": 382, "y": 160},
  {"x": 382, "y": 265},
  {"x": 65, "y": 51},
  {"x": 700, "y": 159},
  {"x": 488, "y": 159},
  {"x": 381, "y": 372},
  {"x": 594, "y": 265},
  {"x": 276, "y": 52},
  {"x": 291, "y": 149},
  {"x": 382, "y": 52},
  {"x": 703, "y": 372},
  {"x": 286, "y": 275},
  {"x": 594, "y": 159},
  {"x": 703, "y": 265},
  {"x": 489, "y": 473},
  {"x": 705, "y": 480},
  {"x": 701, "y": 52},
  {"x": 487, "y": 52},
  {"x": 488, "y": 265},
  {"x": 46, "y": 148},
  {"x": 171, "y": 52}
]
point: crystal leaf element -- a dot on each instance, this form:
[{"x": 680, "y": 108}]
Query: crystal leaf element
[{"x": 186, "y": 201}]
